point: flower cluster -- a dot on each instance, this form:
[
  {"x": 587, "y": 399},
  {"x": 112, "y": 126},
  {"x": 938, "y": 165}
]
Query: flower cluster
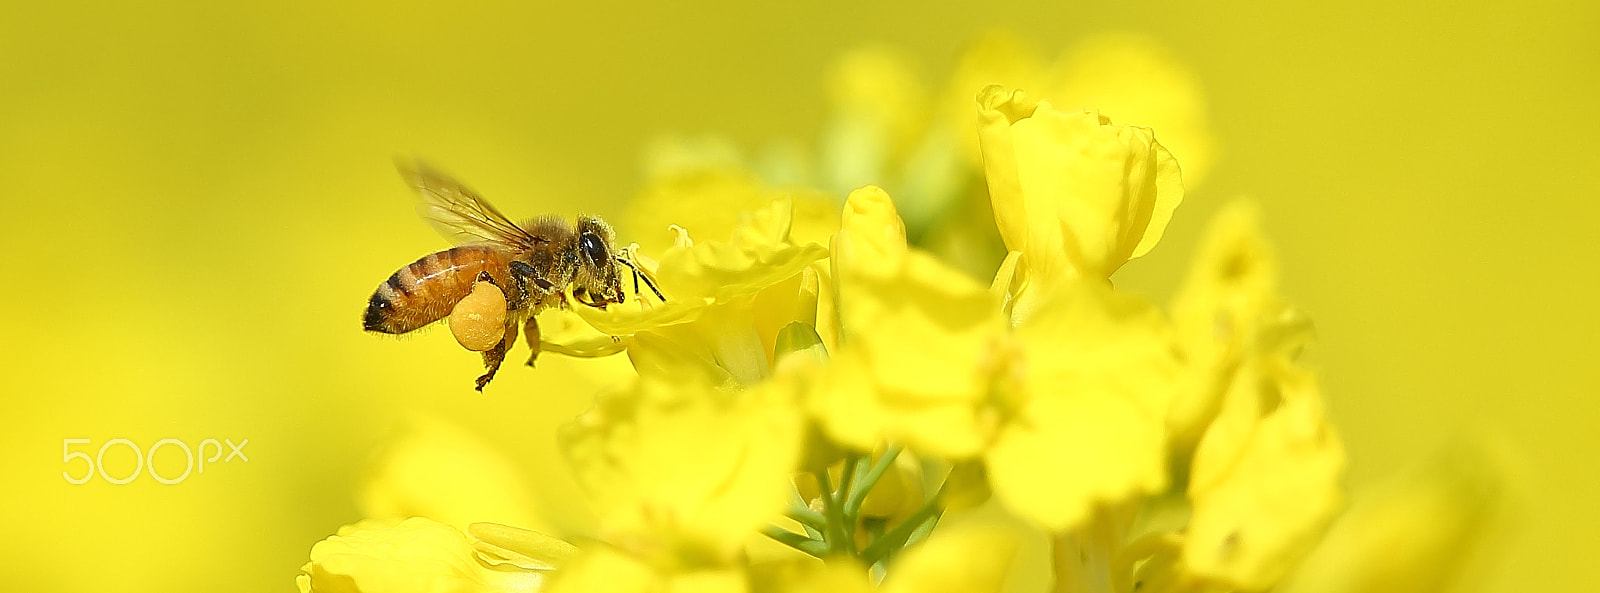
[{"x": 820, "y": 404}]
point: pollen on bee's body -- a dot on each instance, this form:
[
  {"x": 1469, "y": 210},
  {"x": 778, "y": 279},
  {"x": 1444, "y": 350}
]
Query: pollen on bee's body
[{"x": 478, "y": 321}]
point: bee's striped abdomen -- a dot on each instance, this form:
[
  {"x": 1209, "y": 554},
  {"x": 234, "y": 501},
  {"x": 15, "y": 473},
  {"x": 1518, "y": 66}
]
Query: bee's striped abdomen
[{"x": 426, "y": 290}]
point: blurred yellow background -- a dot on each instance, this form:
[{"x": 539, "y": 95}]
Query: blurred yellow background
[{"x": 200, "y": 196}]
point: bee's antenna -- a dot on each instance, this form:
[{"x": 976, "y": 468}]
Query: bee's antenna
[{"x": 637, "y": 275}]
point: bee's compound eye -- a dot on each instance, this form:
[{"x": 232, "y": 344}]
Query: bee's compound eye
[{"x": 593, "y": 248}]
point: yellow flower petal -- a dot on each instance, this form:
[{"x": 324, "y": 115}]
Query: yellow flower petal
[
  {"x": 524, "y": 548},
  {"x": 811, "y": 576},
  {"x": 1266, "y": 480},
  {"x": 992, "y": 58},
  {"x": 1066, "y": 454},
  {"x": 915, "y": 362},
  {"x": 955, "y": 559},
  {"x": 1230, "y": 298},
  {"x": 679, "y": 355},
  {"x": 929, "y": 332},
  {"x": 728, "y": 344},
  {"x": 683, "y": 473},
  {"x": 1074, "y": 193},
  {"x": 1265, "y": 472},
  {"x": 871, "y": 238},
  {"x": 564, "y": 332},
  {"x": 1097, "y": 371},
  {"x": 1227, "y": 311},
  {"x": 414, "y": 556},
  {"x": 1136, "y": 78},
  {"x": 726, "y": 302},
  {"x": 701, "y": 274}
]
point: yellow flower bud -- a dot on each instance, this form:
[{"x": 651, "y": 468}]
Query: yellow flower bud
[
  {"x": 872, "y": 238},
  {"x": 898, "y": 492},
  {"x": 1076, "y": 194},
  {"x": 966, "y": 486}
]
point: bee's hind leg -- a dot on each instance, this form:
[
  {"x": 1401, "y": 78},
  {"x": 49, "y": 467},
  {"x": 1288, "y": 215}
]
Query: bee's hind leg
[{"x": 494, "y": 356}]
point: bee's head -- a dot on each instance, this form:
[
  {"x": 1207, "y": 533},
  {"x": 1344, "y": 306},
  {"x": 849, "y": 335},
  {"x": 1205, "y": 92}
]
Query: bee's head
[{"x": 597, "y": 261}]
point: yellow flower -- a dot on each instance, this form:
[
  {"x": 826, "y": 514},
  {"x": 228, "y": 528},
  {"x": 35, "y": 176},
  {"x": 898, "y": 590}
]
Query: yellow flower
[
  {"x": 916, "y": 336},
  {"x": 680, "y": 475},
  {"x": 1123, "y": 73},
  {"x": 875, "y": 422},
  {"x": 728, "y": 297},
  {"x": 958, "y": 559},
  {"x": 1227, "y": 312},
  {"x": 1083, "y": 405},
  {"x": 1136, "y": 78},
  {"x": 872, "y": 237},
  {"x": 1266, "y": 480},
  {"x": 810, "y": 576},
  {"x": 1074, "y": 193},
  {"x": 726, "y": 303},
  {"x": 424, "y": 556},
  {"x": 1246, "y": 429},
  {"x": 1067, "y": 414},
  {"x": 564, "y": 332}
]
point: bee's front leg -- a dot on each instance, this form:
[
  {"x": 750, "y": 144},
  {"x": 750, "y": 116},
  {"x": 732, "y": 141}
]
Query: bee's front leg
[
  {"x": 494, "y": 356},
  {"x": 531, "y": 330}
]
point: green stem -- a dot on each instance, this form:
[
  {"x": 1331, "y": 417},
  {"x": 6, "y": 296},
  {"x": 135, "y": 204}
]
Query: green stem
[
  {"x": 858, "y": 495},
  {"x": 847, "y": 492},
  {"x": 897, "y": 537},
  {"x": 847, "y": 477},
  {"x": 808, "y": 518},
  {"x": 796, "y": 541},
  {"x": 834, "y": 535},
  {"x": 799, "y": 502},
  {"x": 922, "y": 531}
]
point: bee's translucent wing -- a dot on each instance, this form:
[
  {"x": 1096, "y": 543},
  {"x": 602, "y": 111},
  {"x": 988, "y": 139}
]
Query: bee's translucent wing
[{"x": 458, "y": 213}]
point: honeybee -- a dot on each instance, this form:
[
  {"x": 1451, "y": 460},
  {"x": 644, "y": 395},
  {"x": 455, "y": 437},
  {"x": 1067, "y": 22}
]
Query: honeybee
[{"x": 533, "y": 264}]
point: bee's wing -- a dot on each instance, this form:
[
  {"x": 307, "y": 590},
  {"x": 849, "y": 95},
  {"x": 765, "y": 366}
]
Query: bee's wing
[{"x": 458, "y": 213}]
